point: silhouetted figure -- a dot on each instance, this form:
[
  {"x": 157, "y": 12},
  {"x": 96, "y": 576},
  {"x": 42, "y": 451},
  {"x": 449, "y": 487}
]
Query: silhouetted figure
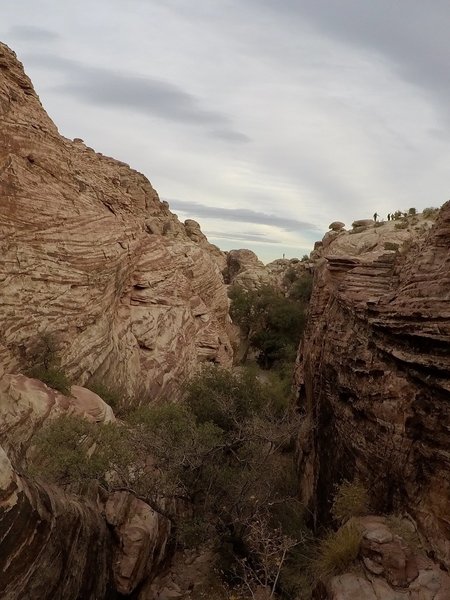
[
  {"x": 389, "y": 216},
  {"x": 375, "y": 217}
]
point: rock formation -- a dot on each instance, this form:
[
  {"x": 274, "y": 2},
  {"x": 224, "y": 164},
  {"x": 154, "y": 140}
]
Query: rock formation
[
  {"x": 90, "y": 254},
  {"x": 390, "y": 567},
  {"x": 374, "y": 379},
  {"x": 132, "y": 298}
]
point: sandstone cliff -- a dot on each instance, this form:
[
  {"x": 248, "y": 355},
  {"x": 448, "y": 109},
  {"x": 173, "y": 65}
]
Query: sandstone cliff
[
  {"x": 90, "y": 254},
  {"x": 133, "y": 298},
  {"x": 374, "y": 379}
]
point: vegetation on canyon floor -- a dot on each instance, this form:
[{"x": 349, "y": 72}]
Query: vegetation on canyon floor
[{"x": 221, "y": 464}]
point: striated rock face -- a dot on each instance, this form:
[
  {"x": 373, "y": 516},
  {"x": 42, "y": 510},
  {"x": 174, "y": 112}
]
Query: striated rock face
[
  {"x": 52, "y": 545},
  {"x": 133, "y": 298},
  {"x": 374, "y": 381},
  {"x": 89, "y": 253}
]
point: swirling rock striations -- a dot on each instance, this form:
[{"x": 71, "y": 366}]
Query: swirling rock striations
[
  {"x": 374, "y": 381},
  {"x": 89, "y": 253},
  {"x": 133, "y": 298}
]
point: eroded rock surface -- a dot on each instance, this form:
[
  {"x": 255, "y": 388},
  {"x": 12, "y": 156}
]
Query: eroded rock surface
[
  {"x": 374, "y": 381},
  {"x": 89, "y": 253},
  {"x": 390, "y": 568}
]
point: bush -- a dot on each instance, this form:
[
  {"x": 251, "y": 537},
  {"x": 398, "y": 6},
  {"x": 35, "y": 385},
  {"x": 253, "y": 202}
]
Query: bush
[
  {"x": 269, "y": 321},
  {"x": 351, "y": 500},
  {"x": 412, "y": 212},
  {"x": 53, "y": 377},
  {"x": 71, "y": 449},
  {"x": 430, "y": 212},
  {"x": 44, "y": 364},
  {"x": 336, "y": 552}
]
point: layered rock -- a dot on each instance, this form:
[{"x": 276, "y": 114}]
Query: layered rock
[
  {"x": 374, "y": 381},
  {"x": 90, "y": 254},
  {"x": 131, "y": 297}
]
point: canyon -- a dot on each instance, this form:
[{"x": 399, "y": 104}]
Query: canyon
[{"x": 138, "y": 300}]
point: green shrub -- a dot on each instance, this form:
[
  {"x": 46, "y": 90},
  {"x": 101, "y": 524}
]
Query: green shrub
[
  {"x": 71, "y": 449},
  {"x": 336, "y": 552},
  {"x": 53, "y": 377},
  {"x": 351, "y": 500},
  {"x": 412, "y": 212},
  {"x": 44, "y": 364},
  {"x": 271, "y": 323}
]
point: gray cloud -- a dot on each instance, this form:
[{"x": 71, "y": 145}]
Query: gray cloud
[
  {"x": 412, "y": 36},
  {"x": 242, "y": 215},
  {"x": 247, "y": 237},
  {"x": 150, "y": 96},
  {"x": 32, "y": 33}
]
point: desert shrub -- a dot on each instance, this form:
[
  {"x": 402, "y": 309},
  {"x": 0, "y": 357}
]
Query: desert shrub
[
  {"x": 302, "y": 288},
  {"x": 430, "y": 212},
  {"x": 336, "y": 552},
  {"x": 43, "y": 363},
  {"x": 412, "y": 212},
  {"x": 391, "y": 246},
  {"x": 305, "y": 258},
  {"x": 270, "y": 322},
  {"x": 54, "y": 377},
  {"x": 291, "y": 275},
  {"x": 351, "y": 500},
  {"x": 71, "y": 449}
]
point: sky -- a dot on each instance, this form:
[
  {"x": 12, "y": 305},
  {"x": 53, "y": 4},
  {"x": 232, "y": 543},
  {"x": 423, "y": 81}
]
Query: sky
[{"x": 264, "y": 120}]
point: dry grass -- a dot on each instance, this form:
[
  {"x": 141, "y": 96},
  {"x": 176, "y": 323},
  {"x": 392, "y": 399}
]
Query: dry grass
[
  {"x": 351, "y": 500},
  {"x": 337, "y": 551}
]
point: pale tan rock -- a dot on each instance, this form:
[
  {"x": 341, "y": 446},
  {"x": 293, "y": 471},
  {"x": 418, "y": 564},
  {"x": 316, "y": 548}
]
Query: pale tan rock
[{"x": 244, "y": 269}]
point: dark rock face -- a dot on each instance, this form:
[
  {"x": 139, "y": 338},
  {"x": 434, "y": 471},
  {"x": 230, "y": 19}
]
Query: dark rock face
[
  {"x": 52, "y": 545},
  {"x": 374, "y": 382}
]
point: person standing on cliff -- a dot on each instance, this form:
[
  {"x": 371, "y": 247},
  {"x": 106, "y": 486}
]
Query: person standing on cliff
[
  {"x": 375, "y": 217},
  {"x": 389, "y": 217}
]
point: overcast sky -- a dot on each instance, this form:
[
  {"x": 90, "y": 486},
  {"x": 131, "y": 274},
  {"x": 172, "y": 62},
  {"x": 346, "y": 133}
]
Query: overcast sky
[{"x": 264, "y": 120}]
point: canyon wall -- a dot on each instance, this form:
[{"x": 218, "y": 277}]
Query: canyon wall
[
  {"x": 373, "y": 374},
  {"x": 89, "y": 254},
  {"x": 133, "y": 299}
]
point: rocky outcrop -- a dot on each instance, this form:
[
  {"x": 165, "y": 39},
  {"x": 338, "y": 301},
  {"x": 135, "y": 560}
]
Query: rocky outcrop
[
  {"x": 112, "y": 542},
  {"x": 374, "y": 380},
  {"x": 389, "y": 567},
  {"x": 245, "y": 270},
  {"x": 90, "y": 255}
]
